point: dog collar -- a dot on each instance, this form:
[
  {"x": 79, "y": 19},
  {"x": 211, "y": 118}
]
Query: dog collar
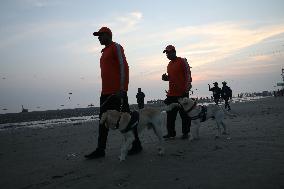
[
  {"x": 134, "y": 120},
  {"x": 202, "y": 114}
]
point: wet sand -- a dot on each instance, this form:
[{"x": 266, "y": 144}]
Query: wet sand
[{"x": 252, "y": 156}]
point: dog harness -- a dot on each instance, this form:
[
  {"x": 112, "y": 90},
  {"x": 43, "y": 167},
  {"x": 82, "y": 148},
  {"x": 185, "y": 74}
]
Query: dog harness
[
  {"x": 202, "y": 114},
  {"x": 133, "y": 123}
]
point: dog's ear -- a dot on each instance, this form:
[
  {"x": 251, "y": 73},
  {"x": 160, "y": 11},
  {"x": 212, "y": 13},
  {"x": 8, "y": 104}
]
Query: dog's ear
[{"x": 103, "y": 118}]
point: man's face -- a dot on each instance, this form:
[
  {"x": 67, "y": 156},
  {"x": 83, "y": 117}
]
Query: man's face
[
  {"x": 104, "y": 38},
  {"x": 171, "y": 55}
]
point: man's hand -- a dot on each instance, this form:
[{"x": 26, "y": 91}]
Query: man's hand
[{"x": 165, "y": 77}]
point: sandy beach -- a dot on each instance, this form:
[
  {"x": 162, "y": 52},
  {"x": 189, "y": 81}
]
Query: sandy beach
[{"x": 252, "y": 156}]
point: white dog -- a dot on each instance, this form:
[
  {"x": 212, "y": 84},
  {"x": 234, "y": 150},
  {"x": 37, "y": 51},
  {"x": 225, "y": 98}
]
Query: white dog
[
  {"x": 148, "y": 118},
  {"x": 200, "y": 114}
]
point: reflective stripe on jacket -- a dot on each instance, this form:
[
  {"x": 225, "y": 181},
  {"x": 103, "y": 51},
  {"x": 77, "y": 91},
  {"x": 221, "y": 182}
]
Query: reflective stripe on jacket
[{"x": 114, "y": 69}]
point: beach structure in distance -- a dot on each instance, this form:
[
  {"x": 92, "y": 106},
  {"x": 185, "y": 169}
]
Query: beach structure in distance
[{"x": 24, "y": 109}]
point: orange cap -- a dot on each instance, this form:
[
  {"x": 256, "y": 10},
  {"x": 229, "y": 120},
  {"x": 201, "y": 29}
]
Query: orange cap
[
  {"x": 169, "y": 48},
  {"x": 103, "y": 30}
]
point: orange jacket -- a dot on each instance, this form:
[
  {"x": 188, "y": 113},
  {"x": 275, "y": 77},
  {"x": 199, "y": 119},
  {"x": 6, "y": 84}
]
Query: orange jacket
[
  {"x": 114, "y": 69},
  {"x": 179, "y": 77}
]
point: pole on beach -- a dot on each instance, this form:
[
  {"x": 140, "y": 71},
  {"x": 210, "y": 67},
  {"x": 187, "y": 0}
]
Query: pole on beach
[{"x": 282, "y": 78}]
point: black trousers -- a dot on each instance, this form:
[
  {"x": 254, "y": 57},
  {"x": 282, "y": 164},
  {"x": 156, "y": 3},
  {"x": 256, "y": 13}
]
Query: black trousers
[
  {"x": 227, "y": 105},
  {"x": 141, "y": 105},
  {"x": 216, "y": 99},
  {"x": 171, "y": 116},
  {"x": 110, "y": 102}
]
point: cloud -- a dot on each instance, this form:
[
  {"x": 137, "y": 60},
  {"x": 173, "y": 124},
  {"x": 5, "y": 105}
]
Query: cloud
[
  {"x": 128, "y": 22},
  {"x": 246, "y": 67},
  {"x": 214, "y": 46},
  {"x": 222, "y": 40},
  {"x": 56, "y": 30},
  {"x": 125, "y": 23},
  {"x": 206, "y": 46},
  {"x": 53, "y": 29},
  {"x": 40, "y": 3}
]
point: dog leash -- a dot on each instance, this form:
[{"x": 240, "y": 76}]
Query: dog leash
[
  {"x": 107, "y": 100},
  {"x": 121, "y": 101}
]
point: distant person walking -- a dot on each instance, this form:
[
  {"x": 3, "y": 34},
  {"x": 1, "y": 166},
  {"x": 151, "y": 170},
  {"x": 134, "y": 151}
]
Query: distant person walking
[
  {"x": 140, "y": 98},
  {"x": 226, "y": 94},
  {"x": 115, "y": 79},
  {"x": 216, "y": 92},
  {"x": 179, "y": 78}
]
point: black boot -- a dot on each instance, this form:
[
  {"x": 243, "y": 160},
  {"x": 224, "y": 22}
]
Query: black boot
[
  {"x": 136, "y": 144},
  {"x": 98, "y": 153}
]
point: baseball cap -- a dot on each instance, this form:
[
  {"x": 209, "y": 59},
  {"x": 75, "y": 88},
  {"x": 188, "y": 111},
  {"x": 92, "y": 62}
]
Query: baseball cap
[
  {"x": 103, "y": 30},
  {"x": 169, "y": 48}
]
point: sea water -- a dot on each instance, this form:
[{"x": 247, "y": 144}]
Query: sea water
[
  {"x": 49, "y": 123},
  {"x": 80, "y": 120}
]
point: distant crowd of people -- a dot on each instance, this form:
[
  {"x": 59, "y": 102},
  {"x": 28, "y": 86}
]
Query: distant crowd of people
[{"x": 278, "y": 93}]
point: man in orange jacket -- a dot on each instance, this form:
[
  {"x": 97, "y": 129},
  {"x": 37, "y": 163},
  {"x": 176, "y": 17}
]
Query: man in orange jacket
[
  {"x": 179, "y": 78},
  {"x": 115, "y": 79}
]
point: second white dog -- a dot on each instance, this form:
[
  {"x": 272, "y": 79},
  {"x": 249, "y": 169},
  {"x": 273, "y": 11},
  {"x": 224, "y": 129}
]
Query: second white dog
[{"x": 196, "y": 113}]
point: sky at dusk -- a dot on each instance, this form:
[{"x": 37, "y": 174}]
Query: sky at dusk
[{"x": 47, "y": 49}]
